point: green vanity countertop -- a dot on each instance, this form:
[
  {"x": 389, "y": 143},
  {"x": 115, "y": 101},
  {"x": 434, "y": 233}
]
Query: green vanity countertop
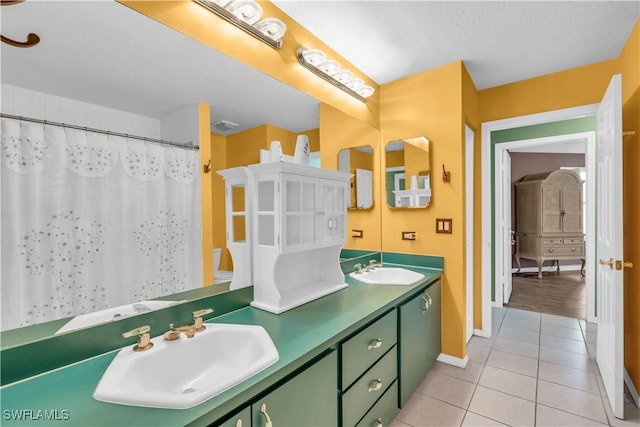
[{"x": 64, "y": 397}]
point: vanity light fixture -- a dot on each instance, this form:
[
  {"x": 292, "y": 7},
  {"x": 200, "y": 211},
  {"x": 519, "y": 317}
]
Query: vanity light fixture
[
  {"x": 246, "y": 14},
  {"x": 316, "y": 61}
]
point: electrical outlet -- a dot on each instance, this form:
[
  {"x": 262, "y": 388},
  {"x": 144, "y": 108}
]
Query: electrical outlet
[
  {"x": 408, "y": 235},
  {"x": 444, "y": 225},
  {"x": 357, "y": 234}
]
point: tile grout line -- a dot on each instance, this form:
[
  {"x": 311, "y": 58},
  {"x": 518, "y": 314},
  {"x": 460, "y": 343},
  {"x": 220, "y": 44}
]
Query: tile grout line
[{"x": 477, "y": 384}]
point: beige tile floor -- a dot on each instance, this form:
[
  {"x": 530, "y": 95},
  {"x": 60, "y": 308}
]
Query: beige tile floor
[{"x": 536, "y": 370}]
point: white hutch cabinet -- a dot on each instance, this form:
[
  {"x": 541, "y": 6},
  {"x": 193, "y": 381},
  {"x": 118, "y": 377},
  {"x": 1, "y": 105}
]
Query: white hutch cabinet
[{"x": 298, "y": 226}]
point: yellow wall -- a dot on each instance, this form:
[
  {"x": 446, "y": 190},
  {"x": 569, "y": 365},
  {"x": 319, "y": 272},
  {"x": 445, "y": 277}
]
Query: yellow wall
[
  {"x": 338, "y": 131},
  {"x": 630, "y": 67},
  {"x": 430, "y": 104},
  {"x": 200, "y": 24},
  {"x": 206, "y": 192},
  {"x": 571, "y": 88}
]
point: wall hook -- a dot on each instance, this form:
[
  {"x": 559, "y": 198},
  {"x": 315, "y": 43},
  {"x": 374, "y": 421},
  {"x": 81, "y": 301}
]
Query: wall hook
[
  {"x": 446, "y": 175},
  {"x": 207, "y": 167}
]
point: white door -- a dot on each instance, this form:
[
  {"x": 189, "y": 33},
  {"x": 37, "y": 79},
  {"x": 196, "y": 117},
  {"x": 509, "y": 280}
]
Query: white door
[
  {"x": 469, "y": 227},
  {"x": 364, "y": 189},
  {"x": 505, "y": 224},
  {"x": 609, "y": 245}
]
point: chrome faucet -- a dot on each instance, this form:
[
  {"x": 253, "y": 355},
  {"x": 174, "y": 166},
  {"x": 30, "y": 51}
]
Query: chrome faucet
[
  {"x": 358, "y": 268},
  {"x": 189, "y": 330}
]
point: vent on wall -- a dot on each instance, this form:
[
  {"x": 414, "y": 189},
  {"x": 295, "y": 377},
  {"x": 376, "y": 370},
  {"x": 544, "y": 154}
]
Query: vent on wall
[{"x": 223, "y": 126}]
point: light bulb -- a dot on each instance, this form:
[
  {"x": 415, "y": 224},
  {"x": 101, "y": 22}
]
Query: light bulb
[
  {"x": 314, "y": 57},
  {"x": 272, "y": 28},
  {"x": 343, "y": 76},
  {"x": 246, "y": 10},
  {"x": 365, "y": 91},
  {"x": 329, "y": 67},
  {"x": 355, "y": 84}
]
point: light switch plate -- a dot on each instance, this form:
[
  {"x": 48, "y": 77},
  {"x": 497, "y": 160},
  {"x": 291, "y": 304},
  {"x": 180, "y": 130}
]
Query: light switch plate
[{"x": 444, "y": 225}]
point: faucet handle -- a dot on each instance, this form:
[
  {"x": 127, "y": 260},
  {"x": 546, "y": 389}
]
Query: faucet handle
[
  {"x": 137, "y": 331},
  {"x": 144, "y": 339},
  {"x": 197, "y": 315},
  {"x": 358, "y": 268}
]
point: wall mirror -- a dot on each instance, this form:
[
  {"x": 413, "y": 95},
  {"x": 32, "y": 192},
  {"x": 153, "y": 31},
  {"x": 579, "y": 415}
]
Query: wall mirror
[
  {"x": 408, "y": 173},
  {"x": 358, "y": 161},
  {"x": 161, "y": 74}
]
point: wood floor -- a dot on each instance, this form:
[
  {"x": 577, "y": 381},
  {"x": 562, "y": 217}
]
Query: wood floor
[{"x": 560, "y": 294}]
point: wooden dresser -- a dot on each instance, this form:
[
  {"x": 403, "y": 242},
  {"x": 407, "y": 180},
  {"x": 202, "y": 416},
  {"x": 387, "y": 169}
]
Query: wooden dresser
[{"x": 549, "y": 218}]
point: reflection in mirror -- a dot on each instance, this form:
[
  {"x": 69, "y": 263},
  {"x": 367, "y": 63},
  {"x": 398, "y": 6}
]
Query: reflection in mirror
[
  {"x": 146, "y": 98},
  {"x": 358, "y": 161},
  {"x": 408, "y": 173}
]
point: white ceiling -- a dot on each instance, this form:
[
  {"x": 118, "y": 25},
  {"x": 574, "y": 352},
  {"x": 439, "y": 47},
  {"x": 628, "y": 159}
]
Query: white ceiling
[
  {"x": 499, "y": 41},
  {"x": 104, "y": 53}
]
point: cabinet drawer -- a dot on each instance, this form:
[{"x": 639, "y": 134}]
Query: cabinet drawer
[
  {"x": 384, "y": 411},
  {"x": 573, "y": 240},
  {"x": 369, "y": 388},
  {"x": 363, "y": 349},
  {"x": 563, "y": 250},
  {"x": 553, "y": 241}
]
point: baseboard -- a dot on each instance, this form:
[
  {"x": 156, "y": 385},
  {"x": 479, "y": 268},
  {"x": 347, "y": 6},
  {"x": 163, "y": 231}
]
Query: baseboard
[
  {"x": 548, "y": 269},
  {"x": 455, "y": 361},
  {"x": 481, "y": 333},
  {"x": 632, "y": 389}
]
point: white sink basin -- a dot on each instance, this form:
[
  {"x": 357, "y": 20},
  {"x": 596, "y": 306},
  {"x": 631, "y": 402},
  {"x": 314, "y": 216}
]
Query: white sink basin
[
  {"x": 183, "y": 373},
  {"x": 114, "y": 313},
  {"x": 388, "y": 276}
]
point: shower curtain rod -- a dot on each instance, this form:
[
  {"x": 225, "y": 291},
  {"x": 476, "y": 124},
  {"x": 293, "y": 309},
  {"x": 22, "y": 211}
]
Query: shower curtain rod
[{"x": 106, "y": 132}]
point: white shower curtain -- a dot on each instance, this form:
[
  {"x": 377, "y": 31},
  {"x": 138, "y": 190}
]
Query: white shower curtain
[{"x": 91, "y": 221}]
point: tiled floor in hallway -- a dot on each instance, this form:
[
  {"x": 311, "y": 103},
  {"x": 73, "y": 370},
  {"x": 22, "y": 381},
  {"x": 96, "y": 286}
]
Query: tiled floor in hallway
[{"x": 536, "y": 370}]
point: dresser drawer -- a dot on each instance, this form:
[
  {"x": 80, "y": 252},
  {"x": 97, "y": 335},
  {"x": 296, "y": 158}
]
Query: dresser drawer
[
  {"x": 573, "y": 240},
  {"x": 562, "y": 250},
  {"x": 368, "y": 389},
  {"x": 552, "y": 241},
  {"x": 364, "y": 348},
  {"x": 384, "y": 411}
]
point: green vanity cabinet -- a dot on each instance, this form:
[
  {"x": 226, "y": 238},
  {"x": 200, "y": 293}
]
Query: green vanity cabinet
[
  {"x": 369, "y": 365},
  {"x": 419, "y": 340},
  {"x": 240, "y": 419},
  {"x": 308, "y": 399}
]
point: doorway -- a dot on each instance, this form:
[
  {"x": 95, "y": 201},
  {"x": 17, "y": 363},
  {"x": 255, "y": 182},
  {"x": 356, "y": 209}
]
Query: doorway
[
  {"x": 490, "y": 185},
  {"x": 561, "y": 289}
]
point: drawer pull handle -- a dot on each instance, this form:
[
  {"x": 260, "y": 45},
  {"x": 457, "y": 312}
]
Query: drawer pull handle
[
  {"x": 263, "y": 410},
  {"x": 239, "y": 422},
  {"x": 378, "y": 422},
  {"x": 377, "y": 343},
  {"x": 376, "y": 385}
]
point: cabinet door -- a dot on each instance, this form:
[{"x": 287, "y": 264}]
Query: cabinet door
[
  {"x": 333, "y": 210},
  {"x": 299, "y": 208},
  {"x": 308, "y": 399},
  {"x": 434, "y": 323},
  {"x": 551, "y": 209},
  {"x": 240, "y": 419},
  {"x": 572, "y": 209},
  {"x": 419, "y": 342}
]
